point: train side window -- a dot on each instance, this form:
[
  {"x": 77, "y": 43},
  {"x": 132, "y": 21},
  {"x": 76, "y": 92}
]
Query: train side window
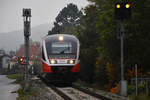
[{"x": 43, "y": 57}]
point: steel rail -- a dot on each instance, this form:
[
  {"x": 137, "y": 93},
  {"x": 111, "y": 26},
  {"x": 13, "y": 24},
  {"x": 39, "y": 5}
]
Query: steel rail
[{"x": 59, "y": 92}]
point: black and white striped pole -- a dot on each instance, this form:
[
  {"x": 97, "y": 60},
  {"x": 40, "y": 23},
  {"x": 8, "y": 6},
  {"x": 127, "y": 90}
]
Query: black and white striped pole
[{"x": 27, "y": 33}]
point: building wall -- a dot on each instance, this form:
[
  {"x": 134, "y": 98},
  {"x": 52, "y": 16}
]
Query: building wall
[
  {"x": 12, "y": 63},
  {"x": 5, "y": 62}
]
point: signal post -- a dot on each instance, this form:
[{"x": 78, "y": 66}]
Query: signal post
[
  {"x": 122, "y": 12},
  {"x": 27, "y": 33},
  {"x": 21, "y": 62}
]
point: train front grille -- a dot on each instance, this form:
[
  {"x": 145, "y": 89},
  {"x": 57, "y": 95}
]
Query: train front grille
[{"x": 61, "y": 69}]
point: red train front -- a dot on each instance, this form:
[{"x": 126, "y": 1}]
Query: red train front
[{"x": 60, "y": 57}]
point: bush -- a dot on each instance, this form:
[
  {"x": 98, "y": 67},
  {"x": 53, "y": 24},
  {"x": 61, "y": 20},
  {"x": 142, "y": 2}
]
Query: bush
[
  {"x": 141, "y": 88},
  {"x": 131, "y": 89},
  {"x": 140, "y": 96}
]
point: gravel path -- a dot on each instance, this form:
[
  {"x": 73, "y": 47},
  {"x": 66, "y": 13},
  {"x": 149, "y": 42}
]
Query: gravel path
[
  {"x": 76, "y": 94},
  {"x": 44, "y": 92},
  {"x": 6, "y": 88}
]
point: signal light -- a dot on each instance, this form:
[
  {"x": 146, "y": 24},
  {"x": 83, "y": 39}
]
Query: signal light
[
  {"x": 122, "y": 10},
  {"x": 118, "y": 6},
  {"x": 21, "y": 60},
  {"x": 127, "y": 5},
  {"x": 26, "y": 12}
]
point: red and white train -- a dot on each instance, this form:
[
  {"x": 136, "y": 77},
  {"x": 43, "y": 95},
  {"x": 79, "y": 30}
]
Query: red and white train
[{"x": 60, "y": 57}]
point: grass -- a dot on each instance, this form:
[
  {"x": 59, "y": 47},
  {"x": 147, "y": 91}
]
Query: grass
[
  {"x": 26, "y": 95},
  {"x": 34, "y": 92},
  {"x": 15, "y": 76}
]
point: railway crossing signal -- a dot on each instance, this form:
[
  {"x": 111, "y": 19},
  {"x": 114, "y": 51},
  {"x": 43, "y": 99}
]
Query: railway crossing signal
[{"x": 122, "y": 10}]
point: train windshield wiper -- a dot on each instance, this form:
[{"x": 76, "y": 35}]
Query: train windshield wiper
[{"x": 62, "y": 52}]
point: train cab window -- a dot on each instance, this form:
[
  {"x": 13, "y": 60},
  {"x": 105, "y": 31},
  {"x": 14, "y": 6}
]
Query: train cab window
[
  {"x": 65, "y": 49},
  {"x": 61, "y": 48}
]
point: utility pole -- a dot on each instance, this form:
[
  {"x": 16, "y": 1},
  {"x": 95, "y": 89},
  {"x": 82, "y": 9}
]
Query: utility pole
[{"x": 27, "y": 33}]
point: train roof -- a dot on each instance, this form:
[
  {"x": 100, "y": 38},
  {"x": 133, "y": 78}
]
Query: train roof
[{"x": 55, "y": 36}]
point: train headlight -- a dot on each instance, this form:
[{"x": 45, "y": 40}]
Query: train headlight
[
  {"x": 53, "y": 61},
  {"x": 60, "y": 38},
  {"x": 71, "y": 61}
]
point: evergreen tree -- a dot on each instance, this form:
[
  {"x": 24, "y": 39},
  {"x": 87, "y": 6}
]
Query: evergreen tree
[
  {"x": 89, "y": 39},
  {"x": 68, "y": 17}
]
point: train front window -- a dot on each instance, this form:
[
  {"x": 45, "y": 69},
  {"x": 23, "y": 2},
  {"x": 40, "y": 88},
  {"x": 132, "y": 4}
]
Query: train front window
[
  {"x": 66, "y": 49},
  {"x": 61, "y": 48}
]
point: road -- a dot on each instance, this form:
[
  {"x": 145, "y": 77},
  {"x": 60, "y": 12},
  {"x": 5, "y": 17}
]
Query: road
[{"x": 6, "y": 88}]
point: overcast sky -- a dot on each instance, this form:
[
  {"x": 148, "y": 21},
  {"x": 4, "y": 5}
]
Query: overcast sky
[{"x": 43, "y": 11}]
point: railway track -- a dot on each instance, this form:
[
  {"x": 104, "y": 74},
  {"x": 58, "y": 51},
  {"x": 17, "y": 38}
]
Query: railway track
[
  {"x": 74, "y": 92},
  {"x": 90, "y": 92},
  {"x": 60, "y": 93}
]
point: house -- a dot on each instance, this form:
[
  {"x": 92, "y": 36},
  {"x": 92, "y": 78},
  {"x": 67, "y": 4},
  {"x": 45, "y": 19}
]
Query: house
[
  {"x": 34, "y": 51},
  {"x": 4, "y": 63},
  {"x": 2, "y": 52}
]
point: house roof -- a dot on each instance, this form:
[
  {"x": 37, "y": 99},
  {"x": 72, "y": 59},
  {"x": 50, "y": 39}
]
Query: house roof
[{"x": 33, "y": 51}]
